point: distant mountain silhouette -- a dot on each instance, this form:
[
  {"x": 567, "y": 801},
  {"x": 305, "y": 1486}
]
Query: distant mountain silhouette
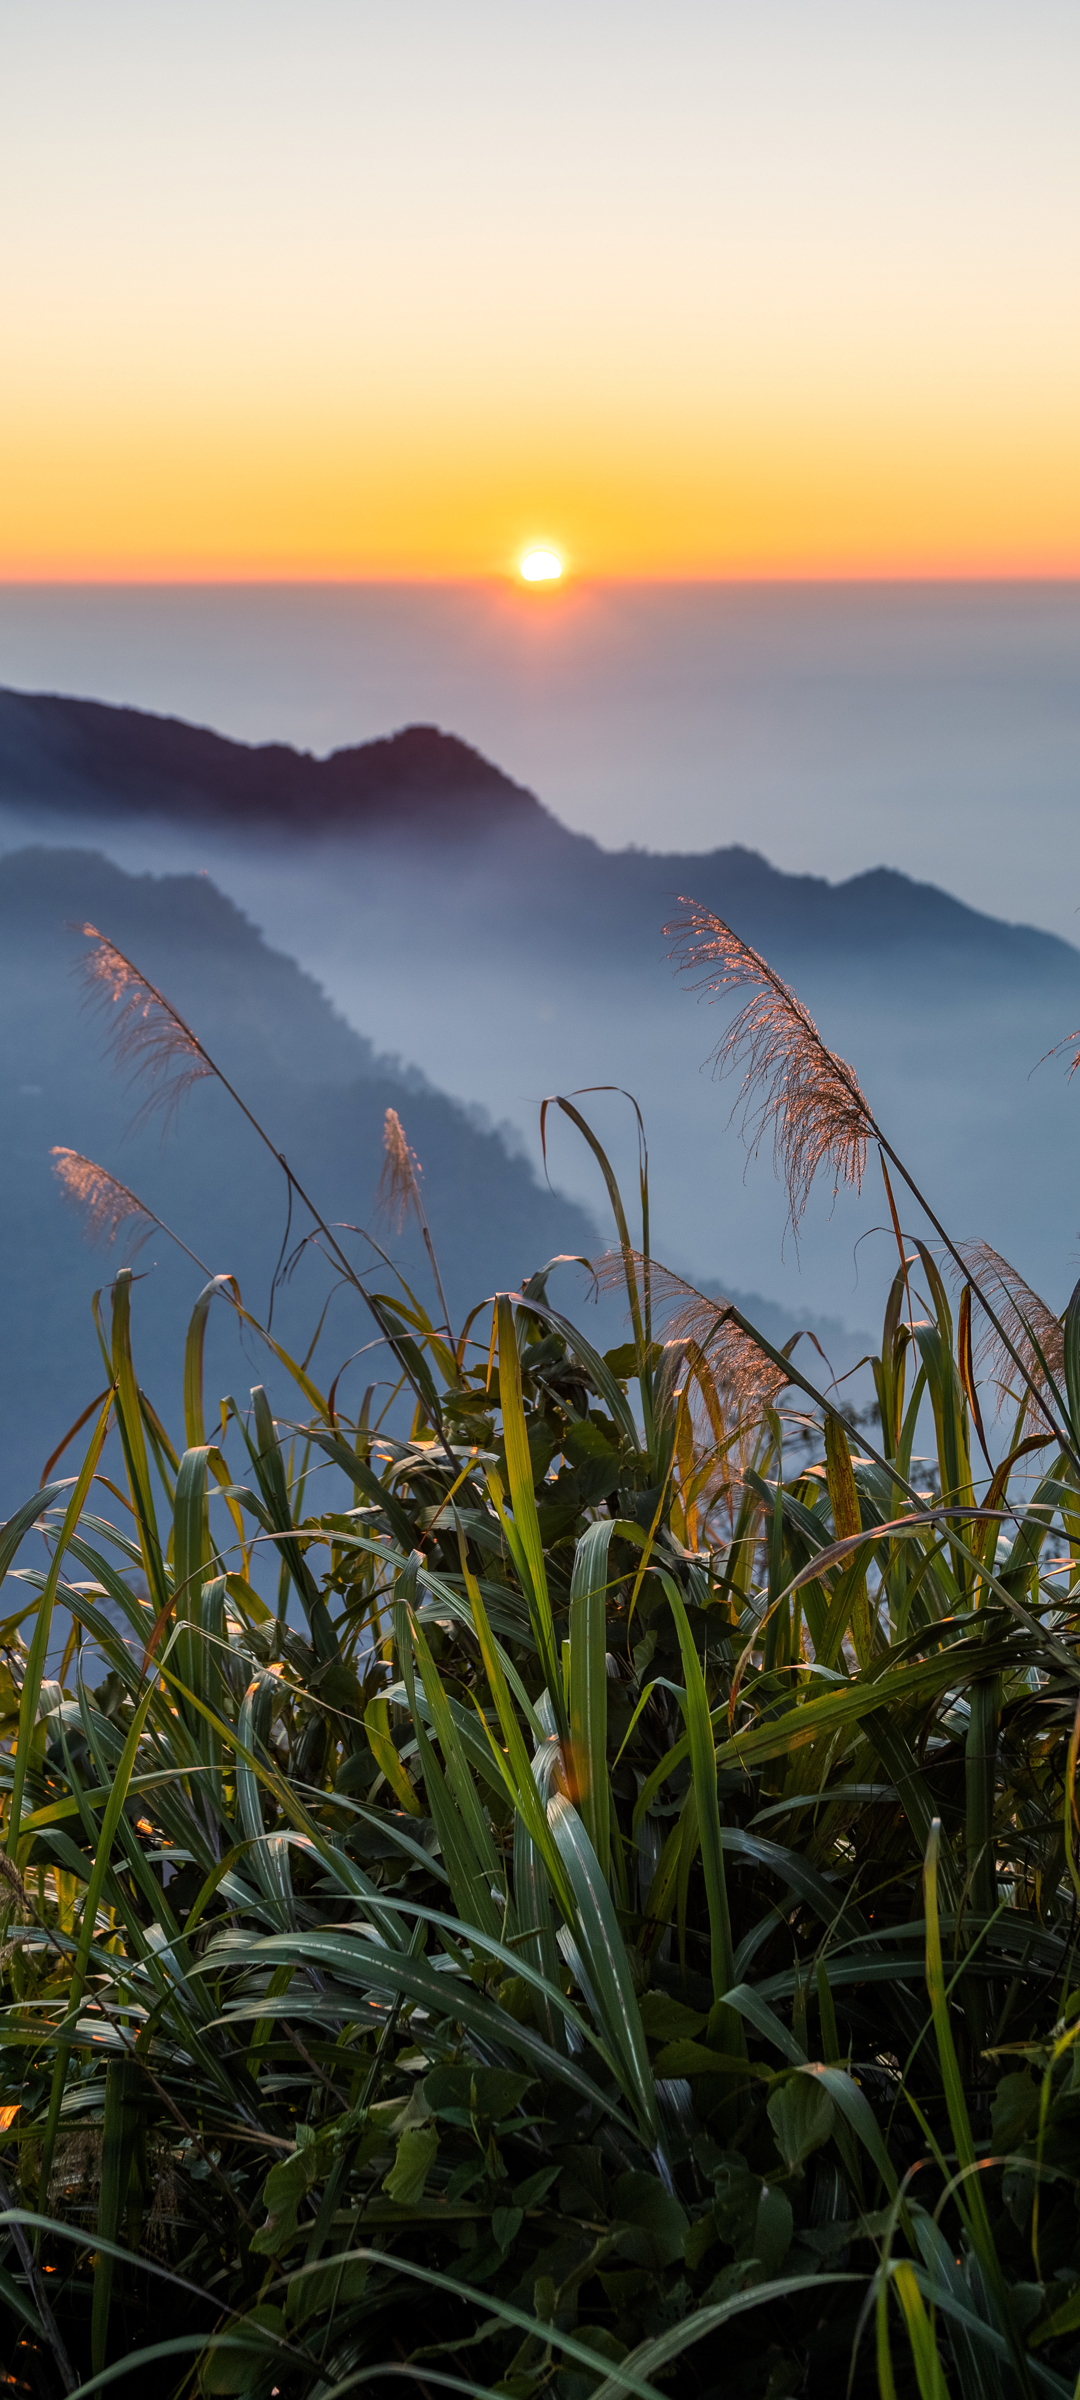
[
  {"x": 84, "y": 754},
  {"x": 456, "y": 922},
  {"x": 85, "y": 761}
]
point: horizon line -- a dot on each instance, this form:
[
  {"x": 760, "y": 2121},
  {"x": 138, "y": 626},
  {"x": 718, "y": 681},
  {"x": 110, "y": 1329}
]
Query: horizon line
[{"x": 537, "y": 595}]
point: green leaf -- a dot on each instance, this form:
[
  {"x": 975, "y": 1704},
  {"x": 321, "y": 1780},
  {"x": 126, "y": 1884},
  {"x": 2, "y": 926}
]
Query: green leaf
[
  {"x": 651, "y": 2226},
  {"x": 413, "y": 2162},
  {"x": 242, "y": 2369},
  {"x": 322, "y": 2291},
  {"x": 458, "y": 2094},
  {"x": 773, "y": 2228},
  {"x": 801, "y": 2116},
  {"x": 284, "y": 2191},
  {"x": 669, "y": 2020},
  {"x": 1014, "y": 2110}
]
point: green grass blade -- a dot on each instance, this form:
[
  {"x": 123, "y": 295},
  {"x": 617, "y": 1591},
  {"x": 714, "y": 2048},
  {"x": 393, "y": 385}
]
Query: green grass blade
[
  {"x": 652, "y": 2356},
  {"x": 523, "y": 1502},
  {"x": 117, "y": 2152},
  {"x": 703, "y": 1770},
  {"x": 588, "y": 1686},
  {"x": 595, "y": 1929},
  {"x": 129, "y": 1419},
  {"x": 920, "y": 2333},
  {"x": 971, "y": 2198},
  {"x": 190, "y": 1557},
  {"x": 468, "y": 1852},
  {"x": 39, "y": 1646}
]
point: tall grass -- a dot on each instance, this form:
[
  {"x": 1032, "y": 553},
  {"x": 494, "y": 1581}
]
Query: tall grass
[{"x": 599, "y": 1915}]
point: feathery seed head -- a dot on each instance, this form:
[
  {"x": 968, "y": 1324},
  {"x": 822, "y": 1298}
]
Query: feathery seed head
[
  {"x": 745, "y": 1373},
  {"x": 145, "y": 1033},
  {"x": 105, "y": 1203},
  {"x": 1036, "y": 1334},
  {"x": 399, "y": 1183},
  {"x": 793, "y": 1085}
]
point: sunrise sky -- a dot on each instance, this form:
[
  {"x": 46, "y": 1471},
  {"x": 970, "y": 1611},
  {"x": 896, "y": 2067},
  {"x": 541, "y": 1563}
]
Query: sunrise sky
[{"x": 339, "y": 288}]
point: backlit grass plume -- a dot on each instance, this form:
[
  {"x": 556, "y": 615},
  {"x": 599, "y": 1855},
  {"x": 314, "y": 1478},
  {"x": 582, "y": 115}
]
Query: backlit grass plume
[
  {"x": 793, "y": 1084},
  {"x": 399, "y": 1192},
  {"x": 817, "y": 1111},
  {"x": 740, "y": 1368},
  {"x": 104, "y": 1203},
  {"x": 1034, "y": 1333},
  {"x": 145, "y": 1032},
  {"x": 399, "y": 1183}
]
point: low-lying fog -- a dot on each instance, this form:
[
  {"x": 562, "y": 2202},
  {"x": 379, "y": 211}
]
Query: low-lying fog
[{"x": 460, "y": 981}]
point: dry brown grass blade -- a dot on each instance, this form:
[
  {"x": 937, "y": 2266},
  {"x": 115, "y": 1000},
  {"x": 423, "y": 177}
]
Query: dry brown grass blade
[
  {"x": 146, "y": 1033},
  {"x": 399, "y": 1183},
  {"x": 1023, "y": 1320},
  {"x": 749, "y": 1378},
  {"x": 793, "y": 1085},
  {"x": 106, "y": 1204}
]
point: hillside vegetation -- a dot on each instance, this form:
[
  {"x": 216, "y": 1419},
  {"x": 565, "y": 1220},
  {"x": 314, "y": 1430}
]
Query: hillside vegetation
[{"x": 590, "y": 1907}]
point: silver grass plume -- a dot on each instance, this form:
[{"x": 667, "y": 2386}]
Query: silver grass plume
[
  {"x": 793, "y": 1085},
  {"x": 740, "y": 1369},
  {"x": 1069, "y": 1041},
  {"x": 146, "y": 1033},
  {"x": 1037, "y": 1336},
  {"x": 399, "y": 1191},
  {"x": 399, "y": 1182},
  {"x": 104, "y": 1202}
]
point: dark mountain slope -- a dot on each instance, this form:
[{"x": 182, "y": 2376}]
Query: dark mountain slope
[{"x": 320, "y": 1090}]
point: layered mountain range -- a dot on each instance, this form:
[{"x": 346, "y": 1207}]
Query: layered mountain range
[
  {"x": 75, "y": 759},
  {"x": 450, "y": 920}
]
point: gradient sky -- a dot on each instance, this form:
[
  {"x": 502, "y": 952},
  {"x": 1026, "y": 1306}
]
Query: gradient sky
[{"x": 345, "y": 288}]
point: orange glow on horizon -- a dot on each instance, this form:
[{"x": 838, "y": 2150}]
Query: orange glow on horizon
[
  {"x": 89, "y": 504},
  {"x": 735, "y": 491},
  {"x": 686, "y": 299}
]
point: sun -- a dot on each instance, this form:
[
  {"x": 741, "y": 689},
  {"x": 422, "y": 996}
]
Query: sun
[{"x": 541, "y": 566}]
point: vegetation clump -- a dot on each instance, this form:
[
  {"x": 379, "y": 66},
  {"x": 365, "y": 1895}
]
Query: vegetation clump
[{"x": 592, "y": 1910}]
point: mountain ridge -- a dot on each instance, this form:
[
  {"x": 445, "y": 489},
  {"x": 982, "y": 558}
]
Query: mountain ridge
[
  {"x": 95, "y": 746},
  {"x": 89, "y": 758}
]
